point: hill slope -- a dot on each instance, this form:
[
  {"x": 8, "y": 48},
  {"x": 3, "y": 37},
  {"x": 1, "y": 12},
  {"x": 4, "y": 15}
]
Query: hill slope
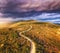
[{"x": 46, "y": 37}]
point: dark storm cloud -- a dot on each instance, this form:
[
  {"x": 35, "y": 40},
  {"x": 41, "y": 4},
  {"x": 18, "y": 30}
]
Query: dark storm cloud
[{"x": 28, "y": 5}]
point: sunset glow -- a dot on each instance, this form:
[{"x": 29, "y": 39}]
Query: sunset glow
[{"x": 3, "y": 24}]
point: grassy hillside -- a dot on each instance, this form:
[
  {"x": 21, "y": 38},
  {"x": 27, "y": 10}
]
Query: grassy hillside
[{"x": 45, "y": 35}]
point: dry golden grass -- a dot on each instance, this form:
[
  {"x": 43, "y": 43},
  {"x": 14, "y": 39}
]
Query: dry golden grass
[
  {"x": 3, "y": 25},
  {"x": 45, "y": 35}
]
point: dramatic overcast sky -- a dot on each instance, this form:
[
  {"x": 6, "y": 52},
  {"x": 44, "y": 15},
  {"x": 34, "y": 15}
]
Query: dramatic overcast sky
[{"x": 28, "y": 6}]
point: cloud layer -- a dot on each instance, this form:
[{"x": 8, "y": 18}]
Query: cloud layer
[
  {"x": 28, "y": 5},
  {"x": 44, "y": 17}
]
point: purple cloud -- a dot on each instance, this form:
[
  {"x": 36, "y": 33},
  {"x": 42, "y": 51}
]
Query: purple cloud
[{"x": 28, "y": 5}]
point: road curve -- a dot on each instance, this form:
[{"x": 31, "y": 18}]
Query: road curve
[{"x": 33, "y": 47}]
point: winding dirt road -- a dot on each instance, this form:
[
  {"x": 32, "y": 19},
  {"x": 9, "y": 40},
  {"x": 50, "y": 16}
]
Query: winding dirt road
[{"x": 33, "y": 47}]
